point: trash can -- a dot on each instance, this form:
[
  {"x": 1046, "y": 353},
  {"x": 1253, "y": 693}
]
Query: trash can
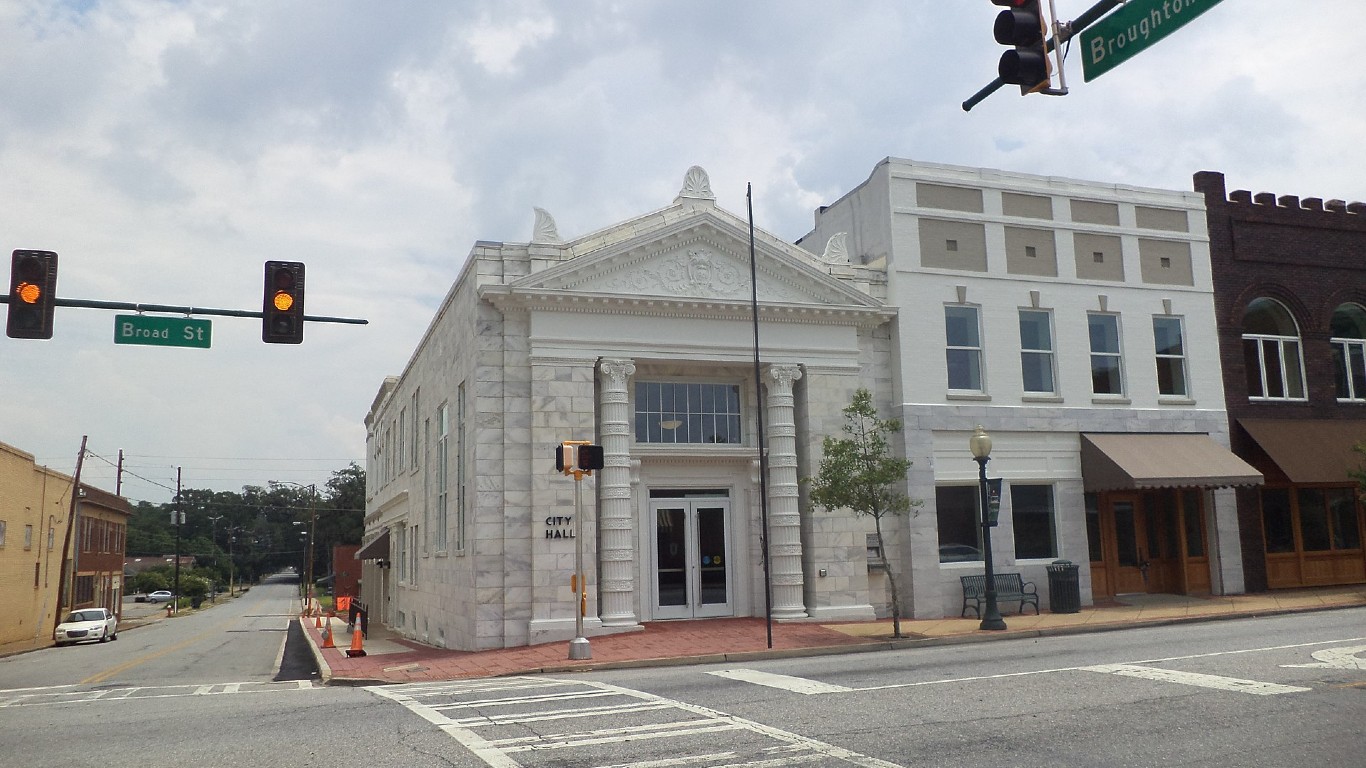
[{"x": 1064, "y": 587}]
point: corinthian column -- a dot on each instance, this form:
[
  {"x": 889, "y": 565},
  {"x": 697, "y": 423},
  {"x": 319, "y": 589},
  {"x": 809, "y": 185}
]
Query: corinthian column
[
  {"x": 616, "y": 516},
  {"x": 784, "y": 514}
]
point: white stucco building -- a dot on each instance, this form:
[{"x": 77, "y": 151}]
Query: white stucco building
[
  {"x": 638, "y": 337},
  {"x": 1066, "y": 317},
  {"x": 1075, "y": 321}
]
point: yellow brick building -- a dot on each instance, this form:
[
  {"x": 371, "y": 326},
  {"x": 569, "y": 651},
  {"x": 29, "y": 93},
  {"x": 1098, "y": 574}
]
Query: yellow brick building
[{"x": 35, "y": 510}]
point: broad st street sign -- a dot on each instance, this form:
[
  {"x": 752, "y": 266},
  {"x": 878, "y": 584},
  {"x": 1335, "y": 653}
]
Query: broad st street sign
[{"x": 162, "y": 331}]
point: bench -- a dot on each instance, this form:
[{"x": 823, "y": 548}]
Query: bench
[{"x": 1010, "y": 588}]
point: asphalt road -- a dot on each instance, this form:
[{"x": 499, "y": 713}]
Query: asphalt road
[{"x": 1267, "y": 692}]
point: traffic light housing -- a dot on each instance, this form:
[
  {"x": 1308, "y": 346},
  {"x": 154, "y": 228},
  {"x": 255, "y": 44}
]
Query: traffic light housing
[
  {"x": 32, "y": 294},
  {"x": 282, "y": 307},
  {"x": 578, "y": 456},
  {"x": 1022, "y": 26}
]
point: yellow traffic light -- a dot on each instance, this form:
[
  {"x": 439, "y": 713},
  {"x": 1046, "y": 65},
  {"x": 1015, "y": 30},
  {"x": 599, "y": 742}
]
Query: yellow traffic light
[
  {"x": 283, "y": 301},
  {"x": 28, "y": 292}
]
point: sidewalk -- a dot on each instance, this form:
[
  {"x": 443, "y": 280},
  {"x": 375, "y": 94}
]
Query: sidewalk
[{"x": 393, "y": 659}]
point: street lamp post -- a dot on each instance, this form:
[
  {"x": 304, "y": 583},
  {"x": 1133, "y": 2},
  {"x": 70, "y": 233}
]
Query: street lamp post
[
  {"x": 312, "y": 524},
  {"x": 980, "y": 443}
]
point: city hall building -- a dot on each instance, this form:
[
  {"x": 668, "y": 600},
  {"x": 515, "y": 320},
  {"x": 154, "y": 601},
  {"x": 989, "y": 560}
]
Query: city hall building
[
  {"x": 1073, "y": 320},
  {"x": 639, "y": 337}
]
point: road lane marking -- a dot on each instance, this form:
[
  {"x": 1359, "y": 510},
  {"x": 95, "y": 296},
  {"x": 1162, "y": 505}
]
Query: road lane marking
[
  {"x": 29, "y": 697},
  {"x": 1336, "y": 658},
  {"x": 781, "y": 682},
  {"x": 1217, "y": 682}
]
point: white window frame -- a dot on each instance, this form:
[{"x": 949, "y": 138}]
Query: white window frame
[
  {"x": 1117, "y": 355},
  {"x": 1286, "y": 347},
  {"x": 969, "y": 351},
  {"x": 1047, "y": 354},
  {"x": 1350, "y": 356},
  {"x": 461, "y": 481},
  {"x": 1176, "y": 360},
  {"x": 443, "y": 432}
]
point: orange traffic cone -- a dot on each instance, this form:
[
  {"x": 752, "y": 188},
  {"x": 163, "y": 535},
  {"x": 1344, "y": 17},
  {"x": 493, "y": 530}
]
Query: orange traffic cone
[
  {"x": 317, "y": 622},
  {"x": 357, "y": 644},
  {"x": 327, "y": 636}
]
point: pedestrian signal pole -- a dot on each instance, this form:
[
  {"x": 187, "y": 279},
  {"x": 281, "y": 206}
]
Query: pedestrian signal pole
[{"x": 578, "y": 458}]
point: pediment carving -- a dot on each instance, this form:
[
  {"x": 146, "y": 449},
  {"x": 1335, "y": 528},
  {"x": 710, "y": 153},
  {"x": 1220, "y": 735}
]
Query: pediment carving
[{"x": 697, "y": 271}]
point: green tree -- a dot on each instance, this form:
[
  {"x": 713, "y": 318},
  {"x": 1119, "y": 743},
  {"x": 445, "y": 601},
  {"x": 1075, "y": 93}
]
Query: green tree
[{"x": 860, "y": 473}]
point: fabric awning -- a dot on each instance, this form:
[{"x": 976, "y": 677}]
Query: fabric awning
[
  {"x": 375, "y": 550},
  {"x": 1135, "y": 461},
  {"x": 1310, "y": 450}
]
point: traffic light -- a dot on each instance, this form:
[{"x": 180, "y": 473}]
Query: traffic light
[
  {"x": 282, "y": 308},
  {"x": 32, "y": 294},
  {"x": 577, "y": 455},
  {"x": 1022, "y": 25}
]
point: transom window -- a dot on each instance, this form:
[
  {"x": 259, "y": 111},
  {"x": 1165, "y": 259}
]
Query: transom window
[
  {"x": 1036, "y": 351},
  {"x": 1106, "y": 368},
  {"x": 1271, "y": 352},
  {"x": 1171, "y": 356},
  {"x": 963, "y": 348},
  {"x": 677, "y": 412},
  {"x": 1349, "y": 351}
]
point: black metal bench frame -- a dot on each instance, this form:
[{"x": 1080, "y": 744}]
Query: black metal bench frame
[{"x": 1010, "y": 588}]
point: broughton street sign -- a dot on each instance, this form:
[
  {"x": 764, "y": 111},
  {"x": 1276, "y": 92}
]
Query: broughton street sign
[{"x": 1138, "y": 24}]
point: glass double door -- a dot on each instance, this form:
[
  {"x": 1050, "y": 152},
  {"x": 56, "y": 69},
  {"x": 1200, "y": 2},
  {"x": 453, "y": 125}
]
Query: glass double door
[
  {"x": 692, "y": 575},
  {"x": 1146, "y": 549}
]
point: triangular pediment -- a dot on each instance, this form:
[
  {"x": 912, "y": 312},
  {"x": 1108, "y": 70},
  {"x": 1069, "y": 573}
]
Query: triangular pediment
[{"x": 701, "y": 255}]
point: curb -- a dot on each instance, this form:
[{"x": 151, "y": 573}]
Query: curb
[{"x": 834, "y": 650}]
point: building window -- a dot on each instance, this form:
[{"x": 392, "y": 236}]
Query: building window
[
  {"x": 960, "y": 531},
  {"x": 2, "y": 533},
  {"x": 1032, "y": 515},
  {"x": 460, "y": 461},
  {"x": 402, "y": 555},
  {"x": 963, "y": 348},
  {"x": 1171, "y": 356},
  {"x": 415, "y": 441},
  {"x": 1271, "y": 352},
  {"x": 1349, "y": 351},
  {"x": 28, "y": 537},
  {"x": 1106, "y": 370},
  {"x": 402, "y": 442},
  {"x": 412, "y": 547},
  {"x": 443, "y": 427},
  {"x": 1036, "y": 351},
  {"x": 678, "y": 412}
]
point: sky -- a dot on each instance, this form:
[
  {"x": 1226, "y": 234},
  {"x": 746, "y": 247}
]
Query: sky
[{"x": 166, "y": 150}]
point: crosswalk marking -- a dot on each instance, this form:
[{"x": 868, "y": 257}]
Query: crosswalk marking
[
  {"x": 29, "y": 697},
  {"x": 1217, "y": 682},
  {"x": 462, "y": 711},
  {"x": 783, "y": 682}
]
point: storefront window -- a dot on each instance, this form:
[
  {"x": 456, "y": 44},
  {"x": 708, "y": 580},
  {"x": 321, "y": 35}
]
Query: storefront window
[
  {"x": 1032, "y": 514},
  {"x": 677, "y": 412},
  {"x": 1277, "y": 523},
  {"x": 1093, "y": 527},
  {"x": 1314, "y": 520},
  {"x": 960, "y": 538},
  {"x": 1343, "y": 513}
]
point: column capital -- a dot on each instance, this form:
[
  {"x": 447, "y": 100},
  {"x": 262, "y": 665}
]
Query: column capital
[
  {"x": 783, "y": 375},
  {"x": 616, "y": 371}
]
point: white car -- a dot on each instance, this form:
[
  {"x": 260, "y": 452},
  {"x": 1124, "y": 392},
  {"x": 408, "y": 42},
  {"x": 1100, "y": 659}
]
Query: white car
[{"x": 87, "y": 624}]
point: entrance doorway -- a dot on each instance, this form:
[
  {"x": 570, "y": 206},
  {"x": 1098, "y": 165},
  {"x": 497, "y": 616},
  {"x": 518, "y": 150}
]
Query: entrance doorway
[
  {"x": 692, "y": 574},
  {"x": 1148, "y": 542}
]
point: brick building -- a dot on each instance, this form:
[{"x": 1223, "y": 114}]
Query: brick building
[
  {"x": 1290, "y": 297},
  {"x": 35, "y": 507}
]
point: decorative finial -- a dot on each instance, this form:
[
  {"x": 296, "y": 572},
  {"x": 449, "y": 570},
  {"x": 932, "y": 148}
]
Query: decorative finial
[
  {"x": 545, "y": 231},
  {"x": 696, "y": 185}
]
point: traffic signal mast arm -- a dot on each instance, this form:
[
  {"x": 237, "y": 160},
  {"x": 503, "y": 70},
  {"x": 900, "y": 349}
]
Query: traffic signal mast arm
[
  {"x": 186, "y": 310},
  {"x": 1064, "y": 32}
]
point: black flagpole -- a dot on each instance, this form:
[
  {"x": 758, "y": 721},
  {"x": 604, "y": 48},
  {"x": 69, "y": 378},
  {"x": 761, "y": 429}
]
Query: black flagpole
[{"x": 759, "y": 399}]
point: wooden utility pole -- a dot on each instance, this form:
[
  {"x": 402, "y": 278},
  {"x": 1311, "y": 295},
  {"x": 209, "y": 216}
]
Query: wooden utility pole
[{"x": 64, "y": 589}]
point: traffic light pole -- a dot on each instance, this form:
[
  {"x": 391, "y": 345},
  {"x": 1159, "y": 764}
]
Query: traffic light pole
[
  {"x": 1064, "y": 32},
  {"x": 579, "y": 647},
  {"x": 187, "y": 310}
]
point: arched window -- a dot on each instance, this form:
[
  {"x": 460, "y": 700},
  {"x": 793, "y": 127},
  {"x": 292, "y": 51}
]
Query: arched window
[
  {"x": 1349, "y": 351},
  {"x": 1271, "y": 352}
]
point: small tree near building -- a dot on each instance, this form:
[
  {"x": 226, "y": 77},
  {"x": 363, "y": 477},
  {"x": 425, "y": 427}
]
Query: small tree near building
[{"x": 859, "y": 473}]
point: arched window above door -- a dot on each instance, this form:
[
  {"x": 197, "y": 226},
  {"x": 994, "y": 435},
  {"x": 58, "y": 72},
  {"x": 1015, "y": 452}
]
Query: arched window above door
[{"x": 1272, "y": 352}]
